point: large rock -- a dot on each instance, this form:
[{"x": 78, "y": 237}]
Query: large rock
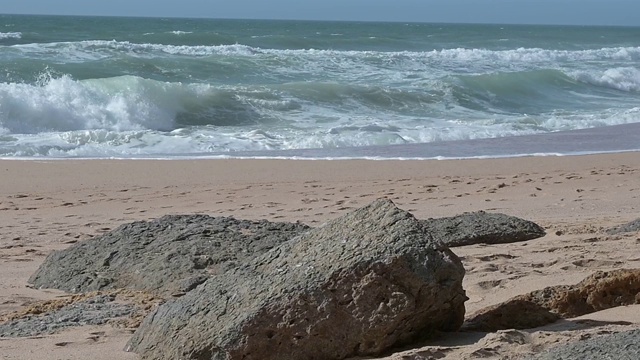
[
  {"x": 165, "y": 256},
  {"x": 482, "y": 228},
  {"x": 358, "y": 285},
  {"x": 600, "y": 291},
  {"x": 174, "y": 254}
]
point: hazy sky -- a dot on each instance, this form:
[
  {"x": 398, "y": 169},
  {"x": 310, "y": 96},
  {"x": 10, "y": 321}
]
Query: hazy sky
[{"x": 587, "y": 12}]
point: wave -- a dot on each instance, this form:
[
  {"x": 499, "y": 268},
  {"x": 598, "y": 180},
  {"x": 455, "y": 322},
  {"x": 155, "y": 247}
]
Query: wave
[
  {"x": 10, "y": 35},
  {"x": 122, "y": 103},
  {"x": 128, "y": 103},
  {"x": 527, "y": 55},
  {"x": 198, "y": 142},
  {"x": 64, "y": 104},
  {"x": 131, "y": 103},
  {"x": 366, "y": 98},
  {"x": 116, "y": 116},
  {"x": 519, "y": 92},
  {"x": 537, "y": 55},
  {"x": 108, "y": 47},
  {"x": 622, "y": 78}
]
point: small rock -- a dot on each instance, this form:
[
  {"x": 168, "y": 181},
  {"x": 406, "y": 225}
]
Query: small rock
[
  {"x": 97, "y": 310},
  {"x": 620, "y": 346},
  {"x": 632, "y": 226},
  {"x": 482, "y": 228},
  {"x": 600, "y": 291}
]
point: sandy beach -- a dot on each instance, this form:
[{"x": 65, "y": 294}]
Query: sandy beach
[{"x": 48, "y": 205}]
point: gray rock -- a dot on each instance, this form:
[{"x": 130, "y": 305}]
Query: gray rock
[
  {"x": 357, "y": 285},
  {"x": 620, "y": 346},
  {"x": 169, "y": 255},
  {"x": 632, "y": 226},
  {"x": 94, "y": 311},
  {"x": 482, "y": 228},
  {"x": 174, "y": 254}
]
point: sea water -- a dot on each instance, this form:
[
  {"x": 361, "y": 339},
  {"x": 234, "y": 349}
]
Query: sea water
[{"x": 96, "y": 87}]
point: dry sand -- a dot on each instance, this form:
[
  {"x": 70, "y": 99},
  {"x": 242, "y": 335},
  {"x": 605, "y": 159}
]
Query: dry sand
[{"x": 48, "y": 205}]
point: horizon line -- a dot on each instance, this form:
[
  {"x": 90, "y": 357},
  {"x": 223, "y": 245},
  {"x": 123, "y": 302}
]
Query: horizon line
[{"x": 322, "y": 20}]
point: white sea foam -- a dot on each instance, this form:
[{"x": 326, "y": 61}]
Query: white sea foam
[
  {"x": 623, "y": 78},
  {"x": 10, "y": 35},
  {"x": 379, "y": 98},
  {"x": 130, "y": 116},
  {"x": 536, "y": 55},
  {"x": 208, "y": 140},
  {"x": 63, "y": 104},
  {"x": 159, "y": 95},
  {"x": 563, "y": 122},
  {"x": 100, "y": 49},
  {"x": 521, "y": 55}
]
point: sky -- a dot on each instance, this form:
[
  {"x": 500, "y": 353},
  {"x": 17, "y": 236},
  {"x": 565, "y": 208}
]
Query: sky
[{"x": 566, "y": 12}]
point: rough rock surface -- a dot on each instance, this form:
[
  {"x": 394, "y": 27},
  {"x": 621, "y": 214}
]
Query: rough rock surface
[
  {"x": 174, "y": 254},
  {"x": 600, "y": 291},
  {"x": 359, "y": 284},
  {"x": 632, "y": 226},
  {"x": 93, "y": 311},
  {"x": 482, "y": 228},
  {"x": 169, "y": 255},
  {"x": 620, "y": 346}
]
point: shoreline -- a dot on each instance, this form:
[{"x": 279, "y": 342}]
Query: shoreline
[
  {"x": 48, "y": 205},
  {"x": 611, "y": 139}
]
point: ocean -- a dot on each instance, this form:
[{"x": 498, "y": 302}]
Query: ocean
[{"x": 116, "y": 87}]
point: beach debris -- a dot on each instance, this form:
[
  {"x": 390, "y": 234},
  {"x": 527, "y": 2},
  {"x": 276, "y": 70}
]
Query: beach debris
[
  {"x": 358, "y": 285},
  {"x": 599, "y": 291},
  {"x": 632, "y": 226},
  {"x": 482, "y": 228},
  {"x": 169, "y": 255}
]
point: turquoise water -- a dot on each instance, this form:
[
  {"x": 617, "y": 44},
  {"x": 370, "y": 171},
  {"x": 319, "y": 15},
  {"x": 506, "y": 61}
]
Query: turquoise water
[{"x": 144, "y": 87}]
